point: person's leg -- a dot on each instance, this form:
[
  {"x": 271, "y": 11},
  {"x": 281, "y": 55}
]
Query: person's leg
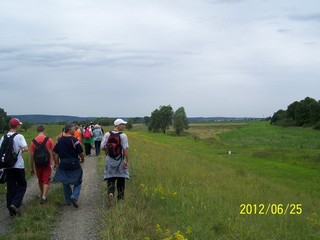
[
  {"x": 39, "y": 176},
  {"x": 67, "y": 193},
  {"x": 75, "y": 195},
  {"x": 97, "y": 147},
  {"x": 111, "y": 189},
  {"x": 87, "y": 148},
  {"x": 111, "y": 185},
  {"x": 21, "y": 187},
  {"x": 76, "y": 191},
  {"x": 11, "y": 189},
  {"x": 120, "y": 187},
  {"x": 46, "y": 178}
]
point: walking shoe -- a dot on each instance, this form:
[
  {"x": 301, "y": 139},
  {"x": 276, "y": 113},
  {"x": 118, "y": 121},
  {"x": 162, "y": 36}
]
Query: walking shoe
[
  {"x": 110, "y": 199},
  {"x": 13, "y": 210},
  {"x": 43, "y": 201},
  {"x": 74, "y": 203},
  {"x": 12, "y": 213}
]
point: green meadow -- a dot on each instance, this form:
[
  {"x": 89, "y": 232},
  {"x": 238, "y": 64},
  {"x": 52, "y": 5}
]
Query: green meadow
[{"x": 191, "y": 187}]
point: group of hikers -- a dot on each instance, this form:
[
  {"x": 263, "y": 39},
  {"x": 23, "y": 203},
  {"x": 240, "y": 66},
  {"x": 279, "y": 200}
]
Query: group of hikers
[{"x": 65, "y": 157}]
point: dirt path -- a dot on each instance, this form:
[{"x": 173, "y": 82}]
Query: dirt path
[{"x": 81, "y": 223}]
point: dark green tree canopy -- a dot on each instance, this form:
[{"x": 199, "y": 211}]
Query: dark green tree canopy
[
  {"x": 4, "y": 121},
  {"x": 161, "y": 119},
  {"x": 180, "y": 121},
  {"x": 303, "y": 113}
]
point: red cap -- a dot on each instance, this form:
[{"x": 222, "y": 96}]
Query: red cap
[{"x": 15, "y": 122}]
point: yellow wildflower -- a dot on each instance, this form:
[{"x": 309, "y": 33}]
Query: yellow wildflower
[
  {"x": 188, "y": 230},
  {"x": 159, "y": 228}
]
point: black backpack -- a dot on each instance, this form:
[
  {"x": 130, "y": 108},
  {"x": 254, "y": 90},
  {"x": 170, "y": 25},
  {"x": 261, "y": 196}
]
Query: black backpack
[
  {"x": 114, "y": 147},
  {"x": 41, "y": 155},
  {"x": 8, "y": 157}
]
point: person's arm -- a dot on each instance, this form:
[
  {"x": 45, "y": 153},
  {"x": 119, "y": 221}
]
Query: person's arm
[
  {"x": 31, "y": 161},
  {"x": 103, "y": 143},
  {"x": 126, "y": 157},
  {"x": 56, "y": 160},
  {"x": 22, "y": 143},
  {"x": 81, "y": 157}
]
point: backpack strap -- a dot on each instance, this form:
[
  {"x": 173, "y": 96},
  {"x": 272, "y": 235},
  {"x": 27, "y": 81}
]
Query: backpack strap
[
  {"x": 35, "y": 142},
  {"x": 43, "y": 142},
  {"x": 12, "y": 136}
]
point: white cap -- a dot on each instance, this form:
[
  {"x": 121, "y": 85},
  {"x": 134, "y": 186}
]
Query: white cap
[{"x": 119, "y": 121}]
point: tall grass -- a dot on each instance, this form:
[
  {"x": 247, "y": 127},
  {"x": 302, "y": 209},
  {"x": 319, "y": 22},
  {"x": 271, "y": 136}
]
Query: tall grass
[{"x": 185, "y": 188}]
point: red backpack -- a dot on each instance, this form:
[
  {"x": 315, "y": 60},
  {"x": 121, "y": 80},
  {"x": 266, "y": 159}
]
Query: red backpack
[
  {"x": 87, "y": 134},
  {"x": 114, "y": 147}
]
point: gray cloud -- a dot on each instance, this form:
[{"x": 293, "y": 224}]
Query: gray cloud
[{"x": 306, "y": 17}]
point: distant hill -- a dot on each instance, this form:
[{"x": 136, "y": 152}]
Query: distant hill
[
  {"x": 219, "y": 119},
  {"x": 39, "y": 118}
]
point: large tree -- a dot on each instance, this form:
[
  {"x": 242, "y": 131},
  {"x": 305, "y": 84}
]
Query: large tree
[
  {"x": 180, "y": 121},
  {"x": 161, "y": 119},
  {"x": 4, "y": 120}
]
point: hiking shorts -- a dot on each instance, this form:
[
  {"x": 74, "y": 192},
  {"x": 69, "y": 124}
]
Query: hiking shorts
[{"x": 44, "y": 174}]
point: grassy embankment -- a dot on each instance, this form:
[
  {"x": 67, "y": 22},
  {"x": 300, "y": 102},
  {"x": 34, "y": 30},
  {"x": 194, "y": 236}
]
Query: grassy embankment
[{"x": 190, "y": 187}]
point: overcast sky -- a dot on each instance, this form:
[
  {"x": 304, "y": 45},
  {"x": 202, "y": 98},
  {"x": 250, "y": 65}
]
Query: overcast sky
[{"x": 234, "y": 58}]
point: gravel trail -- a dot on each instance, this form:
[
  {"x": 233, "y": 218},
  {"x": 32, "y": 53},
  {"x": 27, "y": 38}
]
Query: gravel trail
[{"x": 81, "y": 223}]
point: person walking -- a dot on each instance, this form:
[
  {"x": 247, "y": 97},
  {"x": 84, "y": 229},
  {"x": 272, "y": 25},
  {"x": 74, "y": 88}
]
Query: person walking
[
  {"x": 66, "y": 161},
  {"x": 87, "y": 139},
  {"x": 97, "y": 138},
  {"x": 116, "y": 145},
  {"x": 16, "y": 177},
  {"x": 41, "y": 159},
  {"x": 77, "y": 134}
]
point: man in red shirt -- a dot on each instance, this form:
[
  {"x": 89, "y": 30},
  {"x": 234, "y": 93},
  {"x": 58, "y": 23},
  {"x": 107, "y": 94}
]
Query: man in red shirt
[{"x": 43, "y": 172}]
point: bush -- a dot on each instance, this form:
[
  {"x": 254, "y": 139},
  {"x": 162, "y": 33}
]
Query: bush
[{"x": 317, "y": 126}]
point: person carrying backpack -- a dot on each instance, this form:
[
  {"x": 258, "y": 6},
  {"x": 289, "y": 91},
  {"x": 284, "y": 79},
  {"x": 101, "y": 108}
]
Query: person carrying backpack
[
  {"x": 41, "y": 158},
  {"x": 87, "y": 139},
  {"x": 115, "y": 143},
  {"x": 97, "y": 138},
  {"x": 16, "y": 178},
  {"x": 66, "y": 153}
]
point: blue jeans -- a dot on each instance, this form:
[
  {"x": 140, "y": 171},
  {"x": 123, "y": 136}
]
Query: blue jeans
[
  {"x": 97, "y": 147},
  {"x": 70, "y": 193}
]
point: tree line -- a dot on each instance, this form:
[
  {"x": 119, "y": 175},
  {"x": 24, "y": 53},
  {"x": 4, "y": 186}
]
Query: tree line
[
  {"x": 159, "y": 121},
  {"x": 303, "y": 113}
]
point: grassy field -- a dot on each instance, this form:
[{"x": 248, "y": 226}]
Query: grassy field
[{"x": 190, "y": 187}]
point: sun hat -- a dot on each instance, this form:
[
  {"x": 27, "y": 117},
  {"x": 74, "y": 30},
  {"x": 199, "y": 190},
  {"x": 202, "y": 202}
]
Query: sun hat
[
  {"x": 119, "y": 121},
  {"x": 15, "y": 122}
]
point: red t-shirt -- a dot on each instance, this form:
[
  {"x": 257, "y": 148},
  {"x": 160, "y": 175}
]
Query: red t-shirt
[{"x": 39, "y": 139}]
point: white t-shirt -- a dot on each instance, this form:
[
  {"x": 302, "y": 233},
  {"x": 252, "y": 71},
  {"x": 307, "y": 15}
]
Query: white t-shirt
[
  {"x": 123, "y": 137},
  {"x": 19, "y": 142}
]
